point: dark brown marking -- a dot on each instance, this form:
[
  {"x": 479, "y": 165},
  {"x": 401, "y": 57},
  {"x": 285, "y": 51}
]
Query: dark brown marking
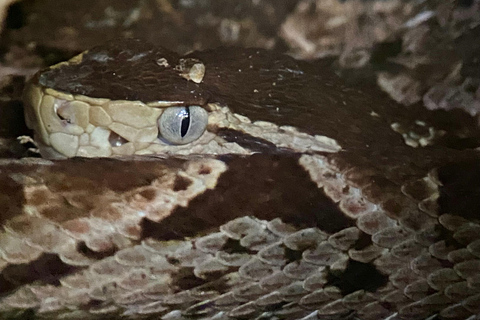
[
  {"x": 292, "y": 255},
  {"x": 77, "y": 175},
  {"x": 126, "y": 70},
  {"x": 234, "y": 246},
  {"x": 358, "y": 276},
  {"x": 92, "y": 305},
  {"x": 250, "y": 188},
  {"x": 173, "y": 261},
  {"x": 363, "y": 241},
  {"x": 205, "y": 170},
  {"x": 249, "y": 142},
  {"x": 185, "y": 279},
  {"x": 71, "y": 189},
  {"x": 181, "y": 183},
  {"x": 11, "y": 197},
  {"x": 12, "y": 122},
  {"x": 47, "y": 269},
  {"x": 148, "y": 194},
  {"x": 460, "y": 189}
]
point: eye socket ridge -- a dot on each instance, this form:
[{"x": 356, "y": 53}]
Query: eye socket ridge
[{"x": 182, "y": 124}]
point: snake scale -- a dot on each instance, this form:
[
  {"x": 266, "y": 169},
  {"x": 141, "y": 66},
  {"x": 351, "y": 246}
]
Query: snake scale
[{"x": 278, "y": 192}]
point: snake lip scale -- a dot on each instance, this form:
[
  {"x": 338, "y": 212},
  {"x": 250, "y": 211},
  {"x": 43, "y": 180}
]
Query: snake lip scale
[{"x": 234, "y": 184}]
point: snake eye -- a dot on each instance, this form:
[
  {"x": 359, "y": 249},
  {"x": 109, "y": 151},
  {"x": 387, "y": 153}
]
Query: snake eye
[{"x": 181, "y": 125}]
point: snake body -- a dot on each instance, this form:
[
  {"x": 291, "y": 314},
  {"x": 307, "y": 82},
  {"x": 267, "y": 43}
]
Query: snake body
[{"x": 303, "y": 199}]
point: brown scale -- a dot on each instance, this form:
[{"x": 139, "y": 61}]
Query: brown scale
[{"x": 378, "y": 230}]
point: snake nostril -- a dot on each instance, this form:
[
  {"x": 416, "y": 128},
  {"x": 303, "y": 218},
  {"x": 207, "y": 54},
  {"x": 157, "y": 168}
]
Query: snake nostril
[
  {"x": 64, "y": 113},
  {"x": 116, "y": 140}
]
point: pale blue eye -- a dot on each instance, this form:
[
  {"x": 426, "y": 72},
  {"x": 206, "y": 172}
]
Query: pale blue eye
[{"x": 181, "y": 125}]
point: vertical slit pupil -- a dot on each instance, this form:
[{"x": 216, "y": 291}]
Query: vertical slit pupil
[{"x": 185, "y": 122}]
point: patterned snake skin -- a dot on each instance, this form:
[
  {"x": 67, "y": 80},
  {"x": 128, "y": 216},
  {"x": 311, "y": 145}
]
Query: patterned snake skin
[{"x": 306, "y": 199}]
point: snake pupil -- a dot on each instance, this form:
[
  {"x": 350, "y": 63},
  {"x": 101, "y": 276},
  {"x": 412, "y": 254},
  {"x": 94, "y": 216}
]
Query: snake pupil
[{"x": 185, "y": 122}]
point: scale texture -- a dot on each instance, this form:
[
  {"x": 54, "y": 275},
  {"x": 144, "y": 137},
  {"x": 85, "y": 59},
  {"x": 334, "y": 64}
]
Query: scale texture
[{"x": 284, "y": 225}]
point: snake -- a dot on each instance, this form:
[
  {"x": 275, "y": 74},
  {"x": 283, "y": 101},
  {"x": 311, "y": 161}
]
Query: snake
[{"x": 234, "y": 183}]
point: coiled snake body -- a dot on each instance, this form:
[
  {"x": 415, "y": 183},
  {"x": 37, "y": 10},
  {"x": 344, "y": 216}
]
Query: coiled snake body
[{"x": 301, "y": 198}]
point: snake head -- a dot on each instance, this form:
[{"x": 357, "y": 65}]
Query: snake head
[
  {"x": 128, "y": 97},
  {"x": 109, "y": 101}
]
